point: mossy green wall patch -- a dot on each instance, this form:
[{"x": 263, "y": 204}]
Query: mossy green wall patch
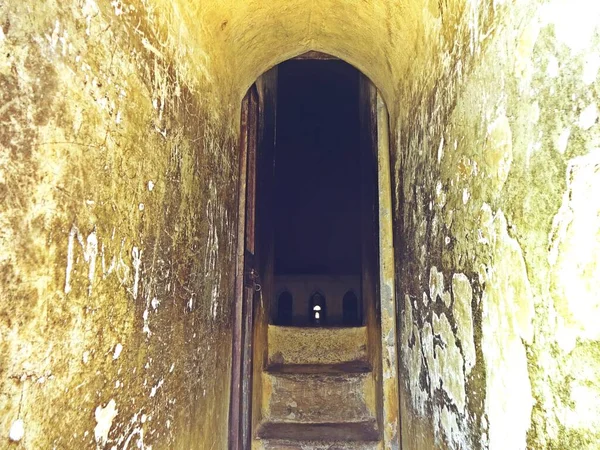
[{"x": 483, "y": 200}]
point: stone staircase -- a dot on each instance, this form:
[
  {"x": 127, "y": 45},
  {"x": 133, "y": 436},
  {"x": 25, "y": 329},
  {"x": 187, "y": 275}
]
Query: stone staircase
[{"x": 318, "y": 391}]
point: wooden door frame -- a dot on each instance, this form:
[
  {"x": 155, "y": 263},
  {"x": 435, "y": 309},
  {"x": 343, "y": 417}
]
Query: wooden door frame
[
  {"x": 392, "y": 439},
  {"x": 240, "y": 410},
  {"x": 240, "y": 413},
  {"x": 378, "y": 233}
]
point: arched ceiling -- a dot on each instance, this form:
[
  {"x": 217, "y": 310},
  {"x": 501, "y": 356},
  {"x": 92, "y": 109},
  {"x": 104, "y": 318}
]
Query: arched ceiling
[{"x": 388, "y": 40}]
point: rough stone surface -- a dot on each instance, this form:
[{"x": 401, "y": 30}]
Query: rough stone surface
[
  {"x": 320, "y": 398},
  {"x": 115, "y": 229},
  {"x": 317, "y": 346},
  {"x": 118, "y": 169},
  {"x": 496, "y": 165}
]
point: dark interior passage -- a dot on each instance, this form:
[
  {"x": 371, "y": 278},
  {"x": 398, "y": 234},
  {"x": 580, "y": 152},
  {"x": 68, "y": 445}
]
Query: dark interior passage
[{"x": 317, "y": 169}]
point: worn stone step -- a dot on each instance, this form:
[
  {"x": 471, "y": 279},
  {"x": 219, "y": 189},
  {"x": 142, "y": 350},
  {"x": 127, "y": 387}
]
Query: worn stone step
[
  {"x": 317, "y": 445},
  {"x": 319, "y": 406},
  {"x": 336, "y": 349},
  {"x": 341, "y": 368},
  {"x": 348, "y": 431}
]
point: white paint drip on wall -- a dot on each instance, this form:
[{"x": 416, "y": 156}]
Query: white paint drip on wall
[
  {"x": 155, "y": 388},
  {"x": 507, "y": 324},
  {"x": 89, "y": 10},
  {"x": 146, "y": 327},
  {"x": 553, "y": 68},
  {"x": 104, "y": 419},
  {"x": 212, "y": 250},
  {"x": 122, "y": 268},
  {"x": 17, "y": 431},
  {"x": 412, "y": 358},
  {"x": 446, "y": 366},
  {"x": 436, "y": 284},
  {"x": 573, "y": 252},
  {"x": 70, "y": 251},
  {"x": 591, "y": 68},
  {"x": 574, "y": 21},
  {"x": 215, "y": 301},
  {"x": 563, "y": 141},
  {"x": 117, "y": 351},
  {"x": 466, "y": 195},
  {"x": 139, "y": 431},
  {"x": 89, "y": 255},
  {"x": 588, "y": 117},
  {"x": 448, "y": 363},
  {"x": 136, "y": 254},
  {"x": 463, "y": 315}
]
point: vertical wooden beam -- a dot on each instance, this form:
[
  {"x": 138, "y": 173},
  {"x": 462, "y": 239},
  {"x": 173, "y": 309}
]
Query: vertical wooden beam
[
  {"x": 251, "y": 265},
  {"x": 391, "y": 410},
  {"x": 241, "y": 372},
  {"x": 267, "y": 105},
  {"x": 236, "y": 366}
]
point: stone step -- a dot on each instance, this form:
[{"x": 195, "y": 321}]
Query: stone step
[
  {"x": 319, "y": 407},
  {"x": 333, "y": 349},
  {"x": 348, "y": 432},
  {"x": 318, "y": 445},
  {"x": 341, "y": 368}
]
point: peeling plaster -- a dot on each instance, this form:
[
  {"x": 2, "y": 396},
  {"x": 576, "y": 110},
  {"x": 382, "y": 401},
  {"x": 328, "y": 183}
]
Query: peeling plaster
[
  {"x": 574, "y": 248},
  {"x": 498, "y": 150},
  {"x": 436, "y": 284},
  {"x": 506, "y": 325},
  {"x": 463, "y": 315}
]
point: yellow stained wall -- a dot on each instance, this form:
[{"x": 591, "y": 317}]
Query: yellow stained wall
[
  {"x": 118, "y": 129},
  {"x": 118, "y": 181},
  {"x": 499, "y": 215}
]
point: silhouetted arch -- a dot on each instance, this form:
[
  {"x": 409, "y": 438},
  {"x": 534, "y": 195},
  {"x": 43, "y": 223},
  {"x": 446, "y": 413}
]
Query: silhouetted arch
[
  {"x": 317, "y": 312},
  {"x": 351, "y": 312},
  {"x": 285, "y": 308}
]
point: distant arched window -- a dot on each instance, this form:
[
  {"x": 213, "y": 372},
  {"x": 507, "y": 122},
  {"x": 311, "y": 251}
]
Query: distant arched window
[
  {"x": 285, "y": 308},
  {"x": 351, "y": 311},
  {"x": 318, "y": 309}
]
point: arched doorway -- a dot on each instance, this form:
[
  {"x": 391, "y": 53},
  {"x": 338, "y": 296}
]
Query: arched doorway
[
  {"x": 285, "y": 309},
  {"x": 351, "y": 310},
  {"x": 317, "y": 202},
  {"x": 317, "y": 310}
]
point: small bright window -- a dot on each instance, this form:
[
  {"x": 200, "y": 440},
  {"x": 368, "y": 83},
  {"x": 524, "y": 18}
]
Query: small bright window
[{"x": 318, "y": 308}]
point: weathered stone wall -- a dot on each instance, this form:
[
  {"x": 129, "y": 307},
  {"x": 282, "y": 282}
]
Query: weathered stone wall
[
  {"x": 118, "y": 125},
  {"x": 117, "y": 219},
  {"x": 499, "y": 236}
]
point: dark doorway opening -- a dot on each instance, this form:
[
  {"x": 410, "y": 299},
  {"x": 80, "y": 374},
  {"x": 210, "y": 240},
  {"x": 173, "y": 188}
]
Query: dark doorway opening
[
  {"x": 314, "y": 160},
  {"x": 317, "y": 185},
  {"x": 317, "y": 169},
  {"x": 285, "y": 309},
  {"x": 350, "y": 310}
]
